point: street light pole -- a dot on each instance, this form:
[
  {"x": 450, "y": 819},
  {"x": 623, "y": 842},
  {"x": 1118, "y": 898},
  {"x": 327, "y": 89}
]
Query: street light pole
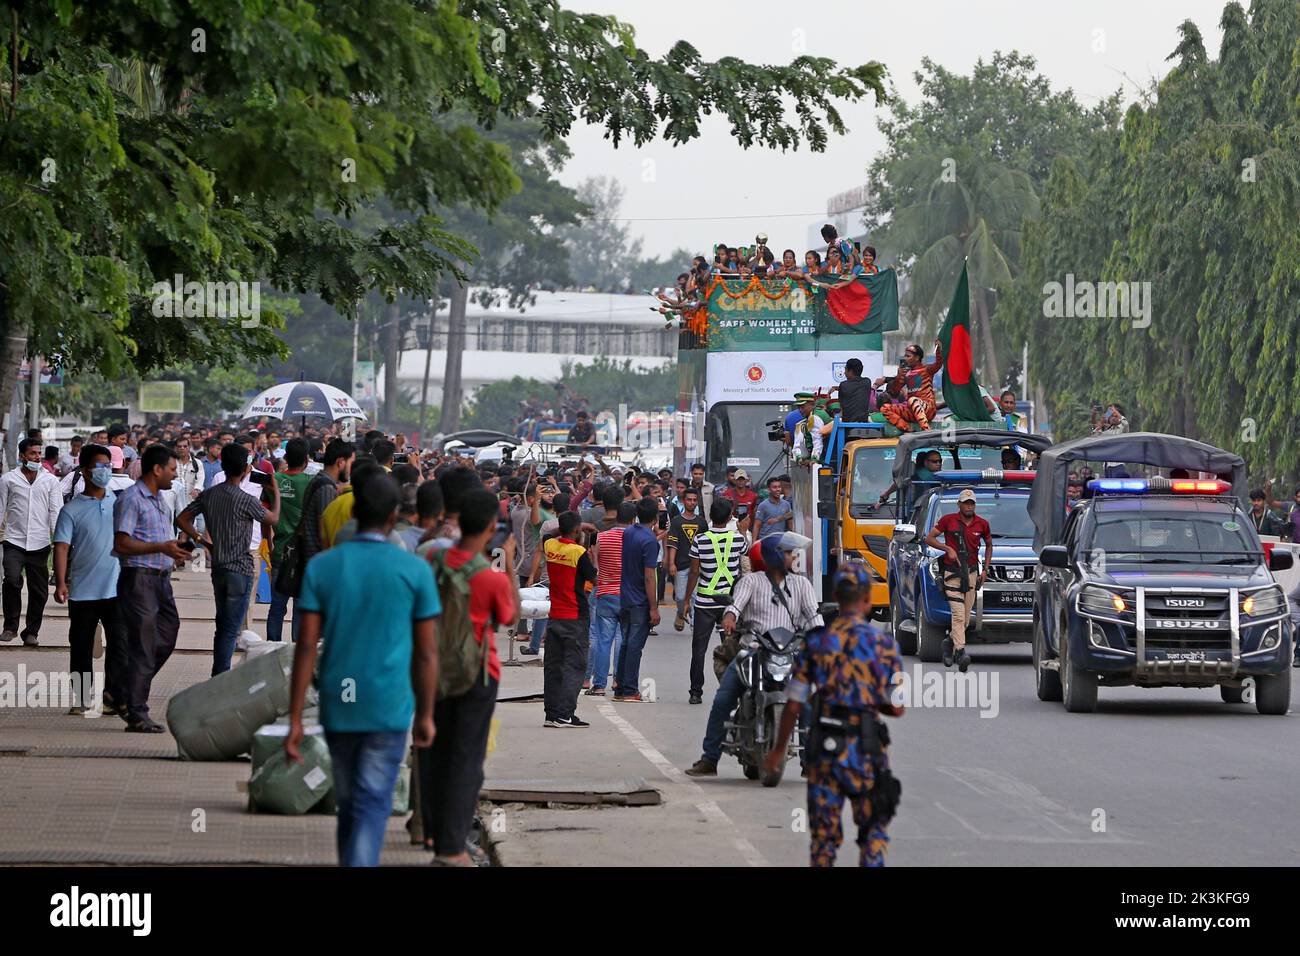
[{"x": 35, "y": 409}]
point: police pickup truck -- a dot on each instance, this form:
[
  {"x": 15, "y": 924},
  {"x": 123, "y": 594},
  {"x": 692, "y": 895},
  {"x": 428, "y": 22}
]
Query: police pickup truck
[
  {"x": 1155, "y": 581},
  {"x": 1004, "y": 605}
]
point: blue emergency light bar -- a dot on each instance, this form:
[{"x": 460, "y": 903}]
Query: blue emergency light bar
[
  {"x": 1140, "y": 486},
  {"x": 986, "y": 474}
]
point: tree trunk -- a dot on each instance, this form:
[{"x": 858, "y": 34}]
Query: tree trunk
[
  {"x": 452, "y": 392},
  {"x": 14, "y": 351},
  {"x": 993, "y": 379},
  {"x": 391, "y": 339}
]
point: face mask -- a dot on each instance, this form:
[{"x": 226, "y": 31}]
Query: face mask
[
  {"x": 101, "y": 477},
  {"x": 32, "y": 465},
  {"x": 250, "y": 459}
]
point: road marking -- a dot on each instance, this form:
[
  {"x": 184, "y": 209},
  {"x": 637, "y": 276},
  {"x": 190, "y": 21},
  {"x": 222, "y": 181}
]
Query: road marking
[{"x": 691, "y": 790}]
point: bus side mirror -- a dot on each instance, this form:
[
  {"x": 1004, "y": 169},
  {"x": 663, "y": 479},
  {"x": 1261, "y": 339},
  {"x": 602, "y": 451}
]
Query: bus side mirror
[
  {"x": 1280, "y": 560},
  {"x": 826, "y": 508},
  {"x": 1054, "y": 556},
  {"x": 904, "y": 533}
]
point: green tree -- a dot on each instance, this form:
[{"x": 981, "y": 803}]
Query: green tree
[
  {"x": 600, "y": 247},
  {"x": 275, "y": 120},
  {"x": 963, "y": 171},
  {"x": 1198, "y": 195}
]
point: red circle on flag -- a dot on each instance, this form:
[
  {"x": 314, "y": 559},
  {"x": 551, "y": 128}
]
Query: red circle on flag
[{"x": 959, "y": 362}]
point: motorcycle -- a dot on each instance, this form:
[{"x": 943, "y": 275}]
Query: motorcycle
[{"x": 765, "y": 662}]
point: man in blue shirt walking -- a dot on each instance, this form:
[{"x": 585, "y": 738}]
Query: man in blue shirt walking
[
  {"x": 85, "y": 577},
  {"x": 637, "y": 611},
  {"x": 373, "y": 605}
]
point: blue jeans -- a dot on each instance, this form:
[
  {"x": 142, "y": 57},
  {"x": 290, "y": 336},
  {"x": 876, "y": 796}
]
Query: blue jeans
[
  {"x": 605, "y": 634},
  {"x": 275, "y": 613},
  {"x": 539, "y": 631},
  {"x": 724, "y": 702},
  {"x": 365, "y": 772},
  {"x": 634, "y": 620},
  {"x": 231, "y": 590}
]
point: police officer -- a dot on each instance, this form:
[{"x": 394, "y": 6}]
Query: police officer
[{"x": 851, "y": 665}]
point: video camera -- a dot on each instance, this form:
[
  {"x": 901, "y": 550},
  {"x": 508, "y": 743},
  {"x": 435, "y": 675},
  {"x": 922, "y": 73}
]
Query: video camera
[{"x": 775, "y": 430}]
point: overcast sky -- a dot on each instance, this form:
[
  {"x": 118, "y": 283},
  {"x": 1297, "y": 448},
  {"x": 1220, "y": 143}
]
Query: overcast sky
[{"x": 1090, "y": 48}]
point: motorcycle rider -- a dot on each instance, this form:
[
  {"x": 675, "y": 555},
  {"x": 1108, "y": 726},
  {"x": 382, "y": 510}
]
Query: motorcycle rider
[
  {"x": 775, "y": 597},
  {"x": 851, "y": 664}
]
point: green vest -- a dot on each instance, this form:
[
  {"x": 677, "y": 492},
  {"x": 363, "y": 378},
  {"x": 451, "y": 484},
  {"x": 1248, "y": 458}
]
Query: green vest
[{"x": 724, "y": 579}]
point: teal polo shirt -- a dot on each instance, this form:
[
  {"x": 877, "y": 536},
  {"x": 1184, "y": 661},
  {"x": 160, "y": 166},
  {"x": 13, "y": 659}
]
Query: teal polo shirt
[
  {"x": 369, "y": 593},
  {"x": 86, "y": 525}
]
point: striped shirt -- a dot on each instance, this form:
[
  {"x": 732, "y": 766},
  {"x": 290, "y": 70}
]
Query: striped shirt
[
  {"x": 142, "y": 515},
  {"x": 754, "y": 603},
  {"x": 704, "y": 551},
  {"x": 609, "y": 561},
  {"x": 229, "y": 514}
]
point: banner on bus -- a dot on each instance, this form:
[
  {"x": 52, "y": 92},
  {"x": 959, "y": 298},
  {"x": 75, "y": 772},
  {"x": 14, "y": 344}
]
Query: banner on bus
[
  {"x": 751, "y": 314},
  {"x": 776, "y": 376}
]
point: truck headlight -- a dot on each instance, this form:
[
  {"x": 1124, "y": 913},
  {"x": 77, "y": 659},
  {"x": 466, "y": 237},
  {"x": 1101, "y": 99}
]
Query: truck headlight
[
  {"x": 1099, "y": 601},
  {"x": 1264, "y": 603},
  {"x": 1272, "y": 638}
]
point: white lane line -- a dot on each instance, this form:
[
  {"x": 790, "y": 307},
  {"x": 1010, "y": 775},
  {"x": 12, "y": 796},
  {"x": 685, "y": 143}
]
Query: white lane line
[{"x": 691, "y": 790}]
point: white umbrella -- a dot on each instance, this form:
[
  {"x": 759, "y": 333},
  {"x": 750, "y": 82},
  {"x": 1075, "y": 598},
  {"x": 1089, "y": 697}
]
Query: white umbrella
[{"x": 303, "y": 400}]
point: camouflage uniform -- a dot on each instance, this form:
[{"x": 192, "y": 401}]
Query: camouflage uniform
[{"x": 851, "y": 663}]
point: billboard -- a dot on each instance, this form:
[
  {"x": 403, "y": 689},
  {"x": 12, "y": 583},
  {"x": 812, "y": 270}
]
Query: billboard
[{"x": 162, "y": 397}]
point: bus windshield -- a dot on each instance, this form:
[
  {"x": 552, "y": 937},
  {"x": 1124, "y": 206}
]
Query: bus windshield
[{"x": 737, "y": 435}]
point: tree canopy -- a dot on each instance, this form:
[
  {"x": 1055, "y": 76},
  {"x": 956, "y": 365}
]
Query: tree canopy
[
  {"x": 233, "y": 142},
  {"x": 1198, "y": 195}
]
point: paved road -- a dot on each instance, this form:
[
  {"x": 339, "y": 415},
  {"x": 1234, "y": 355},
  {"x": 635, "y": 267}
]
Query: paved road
[{"x": 1155, "y": 777}]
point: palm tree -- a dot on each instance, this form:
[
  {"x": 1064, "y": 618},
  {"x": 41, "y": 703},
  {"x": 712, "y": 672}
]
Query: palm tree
[{"x": 962, "y": 208}]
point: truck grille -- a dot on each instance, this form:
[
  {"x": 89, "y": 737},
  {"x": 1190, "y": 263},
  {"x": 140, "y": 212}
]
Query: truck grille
[
  {"x": 1189, "y": 613},
  {"x": 1012, "y": 573}
]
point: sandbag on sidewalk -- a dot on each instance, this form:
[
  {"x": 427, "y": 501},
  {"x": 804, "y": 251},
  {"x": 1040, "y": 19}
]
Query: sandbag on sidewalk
[
  {"x": 279, "y": 786},
  {"x": 216, "y": 720}
]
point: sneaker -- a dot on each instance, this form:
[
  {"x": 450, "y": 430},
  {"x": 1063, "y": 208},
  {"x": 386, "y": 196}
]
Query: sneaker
[
  {"x": 596, "y": 692},
  {"x": 29, "y": 640},
  {"x": 696, "y": 698},
  {"x": 962, "y": 659},
  {"x": 9, "y": 636},
  {"x": 112, "y": 708},
  {"x": 702, "y": 768},
  {"x": 527, "y": 652},
  {"x": 550, "y": 722},
  {"x": 574, "y": 721},
  {"x": 76, "y": 711},
  {"x": 622, "y": 698},
  {"x": 654, "y": 632},
  {"x": 145, "y": 726},
  {"x": 947, "y": 652}
]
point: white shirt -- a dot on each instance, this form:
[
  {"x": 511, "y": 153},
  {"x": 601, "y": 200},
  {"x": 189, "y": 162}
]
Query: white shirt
[
  {"x": 30, "y": 509},
  {"x": 313, "y": 467},
  {"x": 186, "y": 480}
]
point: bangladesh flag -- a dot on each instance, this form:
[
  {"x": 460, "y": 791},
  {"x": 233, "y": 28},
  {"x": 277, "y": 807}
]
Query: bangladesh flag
[
  {"x": 868, "y": 304},
  {"x": 961, "y": 389}
]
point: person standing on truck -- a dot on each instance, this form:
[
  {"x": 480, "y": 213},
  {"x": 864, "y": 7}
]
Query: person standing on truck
[
  {"x": 962, "y": 576},
  {"x": 1266, "y": 521},
  {"x": 857, "y": 397}
]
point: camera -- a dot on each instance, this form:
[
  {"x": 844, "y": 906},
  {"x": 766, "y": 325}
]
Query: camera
[
  {"x": 775, "y": 430},
  {"x": 259, "y": 477}
]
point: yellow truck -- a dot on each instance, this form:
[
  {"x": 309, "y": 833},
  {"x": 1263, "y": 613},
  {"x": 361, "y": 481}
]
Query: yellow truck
[{"x": 837, "y": 505}]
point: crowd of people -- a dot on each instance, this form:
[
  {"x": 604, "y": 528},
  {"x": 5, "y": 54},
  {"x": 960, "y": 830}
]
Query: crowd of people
[
  {"x": 840, "y": 261},
  {"x": 126, "y": 507}
]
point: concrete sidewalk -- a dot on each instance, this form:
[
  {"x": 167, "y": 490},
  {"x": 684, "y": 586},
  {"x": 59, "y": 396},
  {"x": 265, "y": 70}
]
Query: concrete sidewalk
[{"x": 81, "y": 790}]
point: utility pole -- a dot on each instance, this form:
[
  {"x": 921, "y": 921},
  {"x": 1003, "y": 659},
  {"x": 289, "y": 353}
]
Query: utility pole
[
  {"x": 428, "y": 360},
  {"x": 34, "y": 412}
]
